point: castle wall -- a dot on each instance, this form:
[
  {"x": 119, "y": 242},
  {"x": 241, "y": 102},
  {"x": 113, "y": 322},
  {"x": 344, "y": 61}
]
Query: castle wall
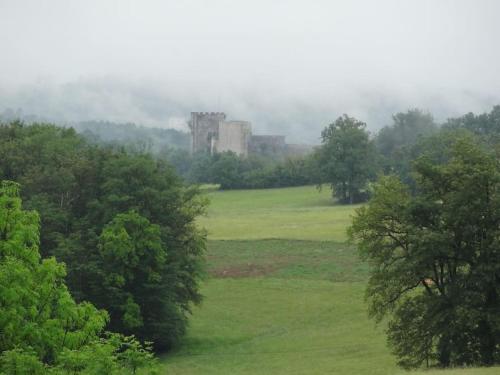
[
  {"x": 299, "y": 149},
  {"x": 267, "y": 144},
  {"x": 234, "y": 136}
]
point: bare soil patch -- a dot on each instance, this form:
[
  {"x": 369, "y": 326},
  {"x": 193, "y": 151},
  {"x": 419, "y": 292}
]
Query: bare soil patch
[{"x": 243, "y": 270}]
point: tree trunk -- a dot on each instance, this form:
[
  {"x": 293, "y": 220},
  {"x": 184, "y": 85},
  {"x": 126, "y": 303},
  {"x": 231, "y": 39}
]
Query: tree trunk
[
  {"x": 487, "y": 343},
  {"x": 444, "y": 351}
]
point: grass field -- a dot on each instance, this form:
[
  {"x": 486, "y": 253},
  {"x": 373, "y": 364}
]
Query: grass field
[
  {"x": 290, "y": 259},
  {"x": 301, "y": 213},
  {"x": 284, "y": 293}
]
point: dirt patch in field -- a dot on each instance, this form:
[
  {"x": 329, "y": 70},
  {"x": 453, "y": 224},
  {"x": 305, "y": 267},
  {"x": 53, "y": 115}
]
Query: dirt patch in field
[{"x": 243, "y": 270}]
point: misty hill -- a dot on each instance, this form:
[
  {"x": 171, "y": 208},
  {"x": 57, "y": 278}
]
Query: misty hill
[
  {"x": 128, "y": 133},
  {"x": 155, "y": 139}
]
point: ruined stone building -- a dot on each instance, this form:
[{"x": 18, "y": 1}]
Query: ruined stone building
[{"x": 211, "y": 132}]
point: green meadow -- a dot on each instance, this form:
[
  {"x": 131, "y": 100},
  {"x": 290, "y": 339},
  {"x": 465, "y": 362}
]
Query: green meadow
[
  {"x": 299, "y": 213},
  {"x": 284, "y": 292}
]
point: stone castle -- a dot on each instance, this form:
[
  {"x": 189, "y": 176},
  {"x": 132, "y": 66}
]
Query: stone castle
[{"x": 211, "y": 132}]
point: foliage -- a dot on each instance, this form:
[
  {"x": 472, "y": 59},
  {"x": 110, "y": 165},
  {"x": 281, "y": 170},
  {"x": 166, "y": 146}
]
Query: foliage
[
  {"x": 135, "y": 275},
  {"x": 414, "y": 133},
  {"x": 435, "y": 259},
  {"x": 293, "y": 171},
  {"x": 486, "y": 125},
  {"x": 43, "y": 330},
  {"x": 405, "y": 131},
  {"x": 106, "y": 132},
  {"x": 80, "y": 189},
  {"x": 347, "y": 159},
  {"x": 149, "y": 138},
  {"x": 232, "y": 171},
  {"x": 226, "y": 170},
  {"x": 399, "y": 143}
]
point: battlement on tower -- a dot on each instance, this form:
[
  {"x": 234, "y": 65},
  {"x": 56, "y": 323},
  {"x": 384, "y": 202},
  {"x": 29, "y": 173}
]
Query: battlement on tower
[{"x": 209, "y": 114}]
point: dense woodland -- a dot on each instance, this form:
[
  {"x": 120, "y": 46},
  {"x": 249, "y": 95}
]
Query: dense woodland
[
  {"x": 106, "y": 232},
  {"x": 43, "y": 329},
  {"x": 122, "y": 223}
]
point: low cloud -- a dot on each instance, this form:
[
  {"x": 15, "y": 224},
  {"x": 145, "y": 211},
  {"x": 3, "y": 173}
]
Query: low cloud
[{"x": 290, "y": 67}]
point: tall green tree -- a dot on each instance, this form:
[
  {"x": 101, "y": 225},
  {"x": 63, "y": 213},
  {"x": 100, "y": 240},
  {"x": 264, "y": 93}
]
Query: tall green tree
[
  {"x": 42, "y": 329},
  {"x": 347, "y": 158},
  {"x": 135, "y": 279},
  {"x": 435, "y": 259}
]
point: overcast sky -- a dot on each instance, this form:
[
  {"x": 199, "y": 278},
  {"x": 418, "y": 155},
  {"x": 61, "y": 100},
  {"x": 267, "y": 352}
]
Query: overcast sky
[{"x": 288, "y": 66}]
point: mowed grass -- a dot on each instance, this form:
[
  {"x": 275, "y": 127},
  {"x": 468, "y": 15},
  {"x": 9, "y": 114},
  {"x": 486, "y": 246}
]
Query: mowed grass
[
  {"x": 293, "y": 213},
  {"x": 286, "y": 326},
  {"x": 284, "y": 292},
  {"x": 269, "y": 325}
]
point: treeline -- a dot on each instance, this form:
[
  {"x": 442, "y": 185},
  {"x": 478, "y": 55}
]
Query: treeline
[
  {"x": 348, "y": 159},
  {"x": 232, "y": 171},
  {"x": 122, "y": 222},
  {"x": 146, "y": 139},
  {"x": 227, "y": 169},
  {"x": 415, "y": 134},
  {"x": 130, "y": 135}
]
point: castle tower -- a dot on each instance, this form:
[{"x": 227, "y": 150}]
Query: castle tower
[
  {"x": 205, "y": 130},
  {"x": 234, "y": 136}
]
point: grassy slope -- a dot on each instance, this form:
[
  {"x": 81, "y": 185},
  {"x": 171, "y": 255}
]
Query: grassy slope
[
  {"x": 282, "y": 326},
  {"x": 284, "y": 306}
]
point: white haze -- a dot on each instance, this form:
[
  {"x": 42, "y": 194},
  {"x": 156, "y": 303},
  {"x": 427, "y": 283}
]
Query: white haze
[{"x": 290, "y": 67}]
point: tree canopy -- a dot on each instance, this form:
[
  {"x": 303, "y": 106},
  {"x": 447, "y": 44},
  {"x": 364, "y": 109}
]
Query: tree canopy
[
  {"x": 346, "y": 159},
  {"x": 93, "y": 199},
  {"x": 435, "y": 258},
  {"x": 406, "y": 129},
  {"x": 43, "y": 330},
  {"x": 400, "y": 143}
]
